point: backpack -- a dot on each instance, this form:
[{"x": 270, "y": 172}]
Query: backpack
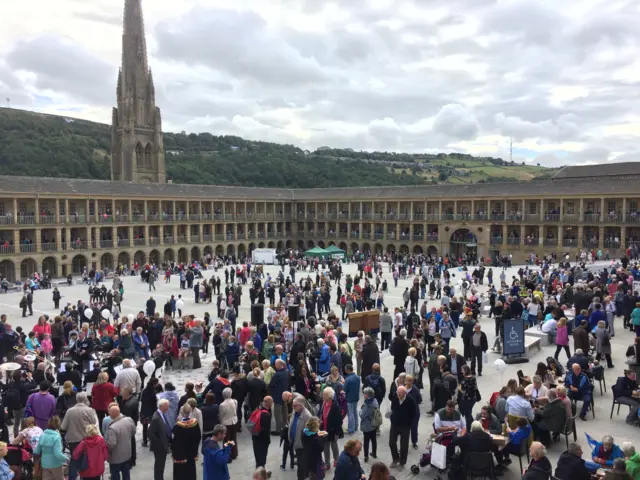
[
  {"x": 253, "y": 424},
  {"x": 376, "y": 421}
]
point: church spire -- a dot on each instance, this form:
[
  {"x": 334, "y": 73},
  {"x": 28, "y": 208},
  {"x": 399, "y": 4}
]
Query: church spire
[{"x": 134, "y": 30}]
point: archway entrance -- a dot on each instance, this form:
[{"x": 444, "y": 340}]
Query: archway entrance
[
  {"x": 183, "y": 256},
  {"x": 49, "y": 265},
  {"x": 140, "y": 258},
  {"x": 8, "y": 270},
  {"x": 154, "y": 257},
  {"x": 463, "y": 241},
  {"x": 106, "y": 261},
  {"x": 78, "y": 264},
  {"x": 124, "y": 259}
]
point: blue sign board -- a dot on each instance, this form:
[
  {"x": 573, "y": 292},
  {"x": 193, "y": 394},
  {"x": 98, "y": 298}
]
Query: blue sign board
[{"x": 513, "y": 337}]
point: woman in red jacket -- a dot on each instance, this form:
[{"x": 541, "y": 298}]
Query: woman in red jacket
[
  {"x": 102, "y": 395},
  {"x": 42, "y": 328},
  {"x": 95, "y": 448}
]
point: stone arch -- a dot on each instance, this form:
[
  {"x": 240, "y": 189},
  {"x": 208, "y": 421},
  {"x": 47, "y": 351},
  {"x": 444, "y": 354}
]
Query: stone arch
[
  {"x": 343, "y": 246},
  {"x": 321, "y": 244},
  {"x": 124, "y": 259},
  {"x": 169, "y": 255},
  {"x": 78, "y": 264},
  {"x": 139, "y": 155},
  {"x": 252, "y": 247},
  {"x": 280, "y": 245},
  {"x": 331, "y": 242},
  {"x": 261, "y": 245},
  {"x": 354, "y": 247},
  {"x": 463, "y": 235},
  {"x": 242, "y": 249},
  {"x": 49, "y": 264},
  {"x": 417, "y": 249},
  {"x": 391, "y": 248},
  {"x": 208, "y": 250},
  {"x": 154, "y": 257},
  {"x": 195, "y": 254},
  {"x": 140, "y": 257},
  {"x": 463, "y": 241},
  {"x": 377, "y": 249},
  {"x": 231, "y": 249},
  {"x": 220, "y": 250},
  {"x": 28, "y": 267},
  {"x": 8, "y": 270},
  {"x": 107, "y": 261},
  {"x": 432, "y": 250},
  {"x": 404, "y": 249},
  {"x": 300, "y": 244},
  {"x": 366, "y": 248},
  {"x": 311, "y": 244},
  {"x": 183, "y": 255},
  {"x": 271, "y": 245}
]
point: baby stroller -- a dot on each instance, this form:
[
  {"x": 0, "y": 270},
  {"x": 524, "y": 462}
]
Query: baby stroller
[
  {"x": 21, "y": 462},
  {"x": 443, "y": 440}
]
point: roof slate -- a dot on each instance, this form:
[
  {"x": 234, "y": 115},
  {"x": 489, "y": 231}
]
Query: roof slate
[
  {"x": 39, "y": 186},
  {"x": 600, "y": 170}
]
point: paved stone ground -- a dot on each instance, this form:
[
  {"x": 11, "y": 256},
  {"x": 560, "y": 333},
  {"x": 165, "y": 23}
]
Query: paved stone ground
[{"x": 136, "y": 294}]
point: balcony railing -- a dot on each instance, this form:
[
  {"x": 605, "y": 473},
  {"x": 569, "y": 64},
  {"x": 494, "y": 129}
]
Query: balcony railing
[
  {"x": 591, "y": 218},
  {"x": 79, "y": 245},
  {"x": 207, "y": 238},
  {"x": 391, "y": 236},
  {"x": 432, "y": 217},
  {"x": 418, "y": 237},
  {"x": 432, "y": 237},
  {"x": 513, "y": 240},
  {"x": 6, "y": 220},
  {"x": 182, "y": 239},
  {"x": 105, "y": 218},
  {"x": 152, "y": 241},
  {"x": 138, "y": 241},
  {"x": 167, "y": 241},
  {"x": 531, "y": 242},
  {"x": 532, "y": 217},
  {"x": 497, "y": 217},
  {"x": 137, "y": 218},
  {"x": 27, "y": 247},
  {"x": 49, "y": 247},
  {"x": 7, "y": 250},
  {"x": 26, "y": 219},
  {"x": 569, "y": 243},
  {"x": 123, "y": 242},
  {"x": 590, "y": 242},
  {"x": 514, "y": 217},
  {"x": 613, "y": 218},
  {"x": 47, "y": 219},
  {"x": 378, "y": 236},
  {"x": 355, "y": 234},
  {"x": 550, "y": 242},
  {"x": 195, "y": 238},
  {"x": 571, "y": 217},
  {"x": 122, "y": 217},
  {"x": 496, "y": 240},
  {"x": 552, "y": 217},
  {"x": 611, "y": 243},
  {"x": 195, "y": 217}
]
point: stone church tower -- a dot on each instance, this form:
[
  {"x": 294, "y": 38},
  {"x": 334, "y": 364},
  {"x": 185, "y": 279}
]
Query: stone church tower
[{"x": 137, "y": 150}]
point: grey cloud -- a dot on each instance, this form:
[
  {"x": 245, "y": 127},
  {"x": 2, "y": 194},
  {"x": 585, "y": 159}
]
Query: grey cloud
[
  {"x": 564, "y": 128},
  {"x": 64, "y": 67},
  {"x": 457, "y": 122}
]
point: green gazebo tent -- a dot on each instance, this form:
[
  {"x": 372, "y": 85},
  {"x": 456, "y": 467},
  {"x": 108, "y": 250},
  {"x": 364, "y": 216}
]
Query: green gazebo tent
[
  {"x": 336, "y": 252},
  {"x": 316, "y": 252}
]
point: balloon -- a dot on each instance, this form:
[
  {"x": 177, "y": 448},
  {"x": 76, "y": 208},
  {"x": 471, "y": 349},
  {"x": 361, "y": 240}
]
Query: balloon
[
  {"x": 500, "y": 365},
  {"x": 131, "y": 316},
  {"x": 88, "y": 313},
  {"x": 106, "y": 314},
  {"x": 149, "y": 367},
  {"x": 180, "y": 304}
]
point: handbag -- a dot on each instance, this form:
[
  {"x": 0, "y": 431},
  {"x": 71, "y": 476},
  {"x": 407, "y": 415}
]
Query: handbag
[
  {"x": 82, "y": 463},
  {"x": 632, "y": 360}
]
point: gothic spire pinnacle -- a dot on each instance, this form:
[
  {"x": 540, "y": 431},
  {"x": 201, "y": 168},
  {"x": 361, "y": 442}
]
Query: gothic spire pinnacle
[{"x": 134, "y": 30}]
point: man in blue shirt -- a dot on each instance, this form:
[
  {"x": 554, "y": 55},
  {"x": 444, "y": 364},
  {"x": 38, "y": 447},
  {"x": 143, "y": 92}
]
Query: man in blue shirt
[
  {"x": 352, "y": 392},
  {"x": 579, "y": 388},
  {"x": 519, "y": 406}
]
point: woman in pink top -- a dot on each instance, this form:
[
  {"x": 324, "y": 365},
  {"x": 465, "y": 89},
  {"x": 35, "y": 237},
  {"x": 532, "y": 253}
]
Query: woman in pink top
[{"x": 562, "y": 338}]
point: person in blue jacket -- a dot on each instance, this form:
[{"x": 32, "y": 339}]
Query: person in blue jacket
[
  {"x": 603, "y": 454},
  {"x": 325, "y": 356},
  {"x": 348, "y": 466},
  {"x": 352, "y": 392},
  {"x": 216, "y": 457}
]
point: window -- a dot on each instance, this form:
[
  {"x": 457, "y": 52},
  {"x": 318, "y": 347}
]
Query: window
[
  {"x": 61, "y": 207},
  {"x": 590, "y": 207},
  {"x": 73, "y": 209},
  {"x": 2, "y": 213},
  {"x": 139, "y": 158},
  {"x": 22, "y": 207},
  {"x": 612, "y": 206},
  {"x": 514, "y": 207},
  {"x": 533, "y": 208},
  {"x": 551, "y": 206},
  {"x": 570, "y": 208},
  {"x": 633, "y": 206}
]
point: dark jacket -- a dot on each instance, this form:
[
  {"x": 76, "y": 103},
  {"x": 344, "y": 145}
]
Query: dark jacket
[
  {"x": 581, "y": 339},
  {"x": 256, "y": 390},
  {"x": 313, "y": 446},
  {"x": 210, "y": 417},
  {"x": 624, "y": 387},
  {"x": 403, "y": 414},
  {"x": 400, "y": 350},
  {"x": 477, "y": 442},
  {"x": 159, "y": 440},
  {"x": 279, "y": 384},
  {"x": 460, "y": 361},
  {"x": 333, "y": 426},
  {"x": 571, "y": 467},
  {"x": 553, "y": 417},
  {"x": 370, "y": 355},
  {"x": 348, "y": 467},
  {"x": 131, "y": 408},
  {"x": 580, "y": 360},
  {"x": 538, "y": 470}
]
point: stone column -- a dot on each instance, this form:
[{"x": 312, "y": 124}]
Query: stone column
[
  {"x": 541, "y": 216},
  {"x": 58, "y": 240},
  {"x": 602, "y": 212},
  {"x": 57, "y": 204},
  {"x": 146, "y": 211},
  {"x": 360, "y": 216},
  {"x": 67, "y": 238},
  {"x": 623, "y": 237},
  {"x": 601, "y": 236},
  {"x": 146, "y": 236},
  {"x": 37, "y": 213},
  {"x": 114, "y": 237},
  {"x": 360, "y": 232},
  {"x": 129, "y": 211},
  {"x": 580, "y": 235},
  {"x": 66, "y": 211},
  {"x": 15, "y": 211},
  {"x": 440, "y": 210},
  {"x": 624, "y": 209},
  {"x": 188, "y": 229},
  {"x": 581, "y": 212},
  {"x": 541, "y": 235},
  {"x": 130, "y": 234}
]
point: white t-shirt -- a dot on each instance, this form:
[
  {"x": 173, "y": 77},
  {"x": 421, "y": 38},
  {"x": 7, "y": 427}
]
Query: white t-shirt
[
  {"x": 549, "y": 326},
  {"x": 32, "y": 435},
  {"x": 398, "y": 319}
]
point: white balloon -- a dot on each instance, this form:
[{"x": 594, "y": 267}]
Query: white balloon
[
  {"x": 106, "y": 314},
  {"x": 88, "y": 313},
  {"x": 149, "y": 367},
  {"x": 131, "y": 317},
  {"x": 180, "y": 304},
  {"x": 500, "y": 365}
]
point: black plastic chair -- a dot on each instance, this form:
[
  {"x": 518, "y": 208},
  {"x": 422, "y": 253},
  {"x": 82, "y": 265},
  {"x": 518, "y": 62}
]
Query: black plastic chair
[
  {"x": 598, "y": 374},
  {"x": 569, "y": 429},
  {"x": 479, "y": 465},
  {"x": 615, "y": 402},
  {"x": 524, "y": 451}
]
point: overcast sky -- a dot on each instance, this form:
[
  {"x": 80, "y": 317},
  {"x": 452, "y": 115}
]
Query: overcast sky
[{"x": 562, "y": 78}]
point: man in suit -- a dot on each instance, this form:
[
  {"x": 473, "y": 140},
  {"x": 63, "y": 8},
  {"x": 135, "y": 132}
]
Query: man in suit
[
  {"x": 160, "y": 438},
  {"x": 455, "y": 361}
]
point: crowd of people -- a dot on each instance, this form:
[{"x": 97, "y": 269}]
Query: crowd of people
[{"x": 86, "y": 378}]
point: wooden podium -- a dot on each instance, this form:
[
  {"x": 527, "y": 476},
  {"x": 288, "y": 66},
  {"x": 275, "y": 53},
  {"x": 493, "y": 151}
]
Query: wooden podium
[{"x": 368, "y": 321}]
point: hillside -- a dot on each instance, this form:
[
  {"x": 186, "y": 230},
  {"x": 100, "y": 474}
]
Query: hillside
[{"x": 36, "y": 144}]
